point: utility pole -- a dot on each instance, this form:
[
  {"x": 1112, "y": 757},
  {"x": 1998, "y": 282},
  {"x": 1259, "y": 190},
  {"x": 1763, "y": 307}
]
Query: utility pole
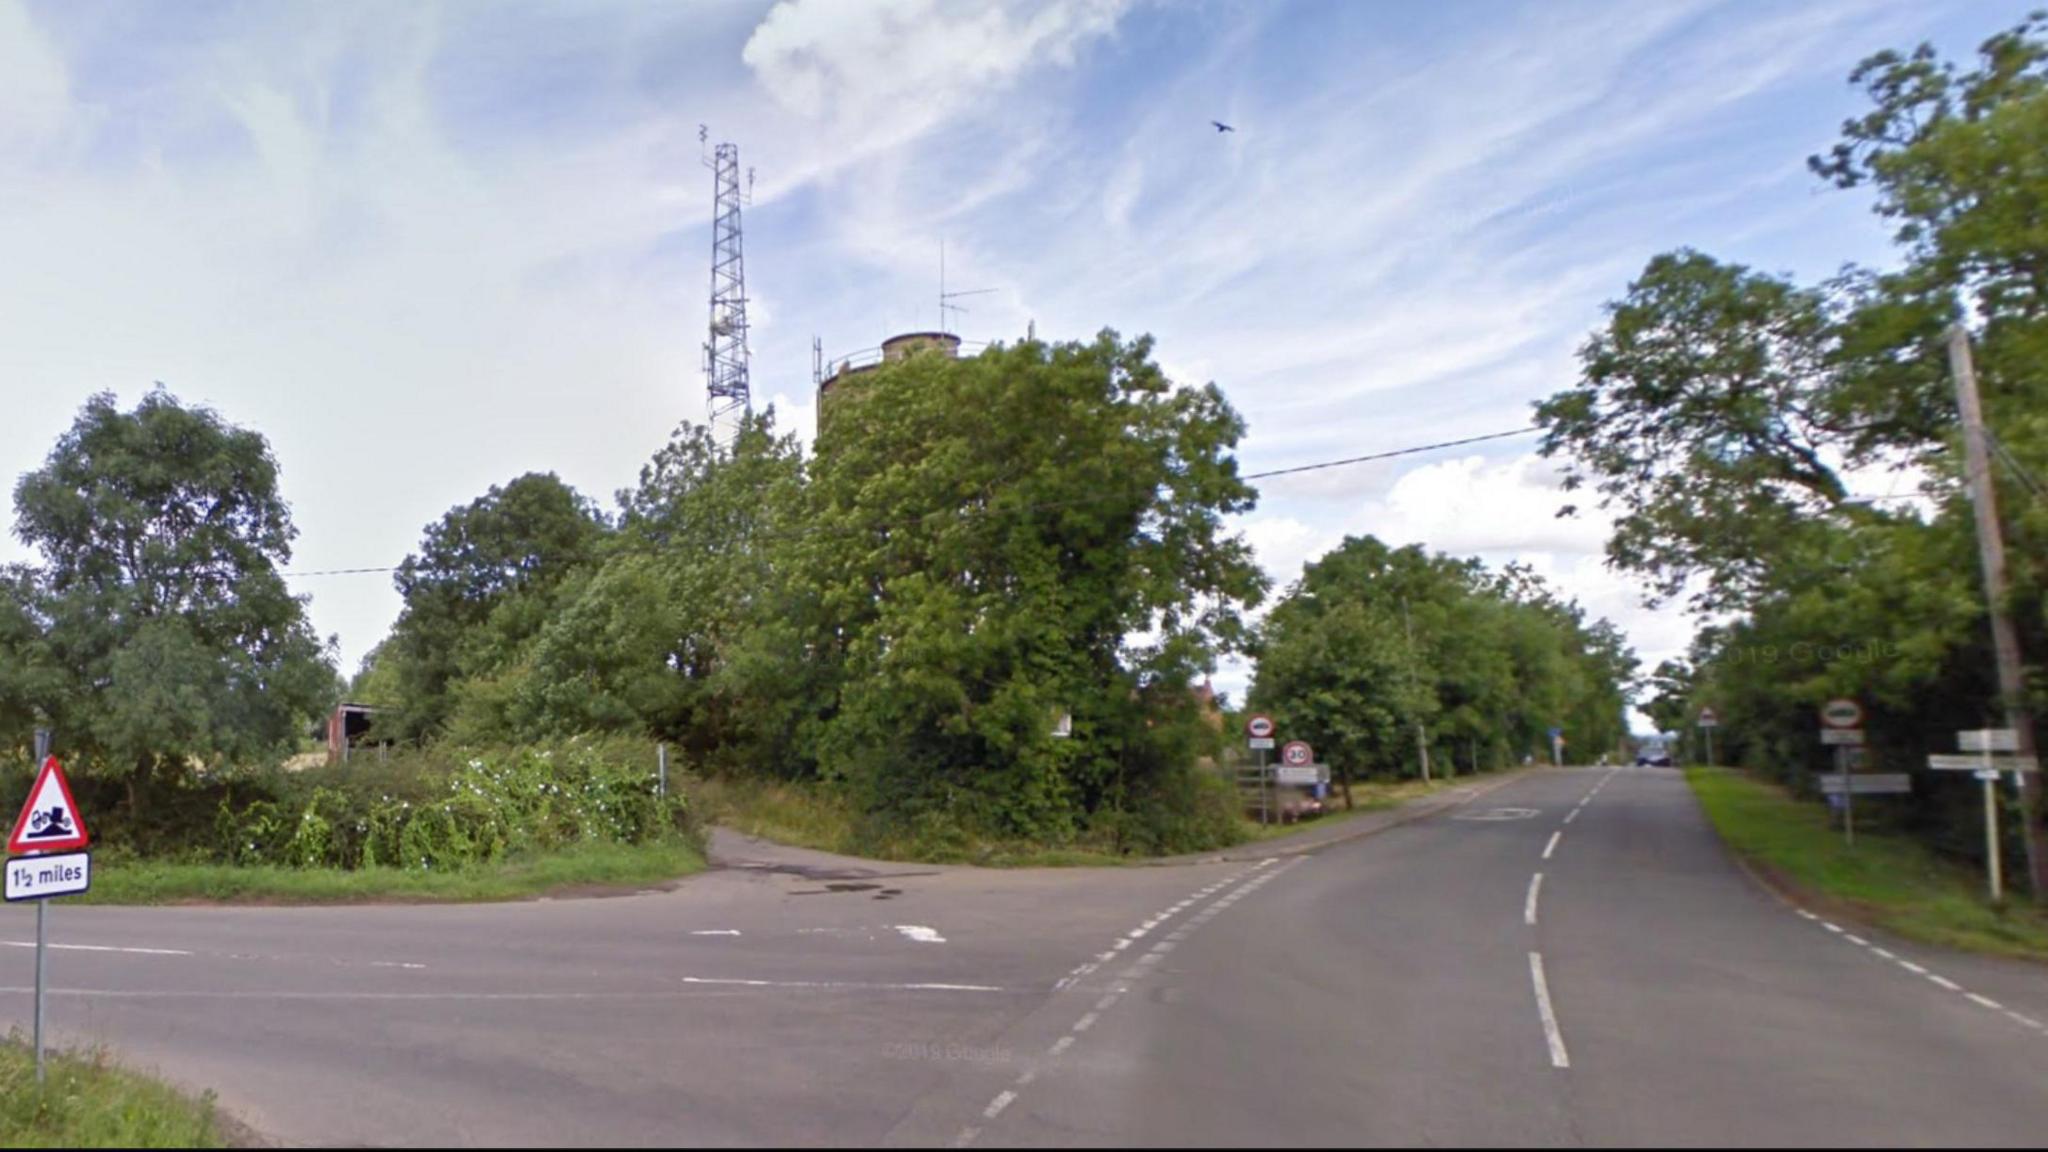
[
  {"x": 1421, "y": 734},
  {"x": 2005, "y": 643}
]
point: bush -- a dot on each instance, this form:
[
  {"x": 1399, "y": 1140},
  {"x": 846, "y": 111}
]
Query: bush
[{"x": 438, "y": 808}]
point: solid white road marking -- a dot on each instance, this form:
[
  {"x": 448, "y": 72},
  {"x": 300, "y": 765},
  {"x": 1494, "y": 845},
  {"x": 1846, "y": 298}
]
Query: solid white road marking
[
  {"x": 1944, "y": 982},
  {"x": 1883, "y": 953},
  {"x": 840, "y": 984},
  {"x": 1558, "y": 1056},
  {"x": 717, "y": 932},
  {"x": 97, "y": 948},
  {"x": 2026, "y": 1020},
  {"x": 1915, "y": 969},
  {"x": 1552, "y": 846},
  {"x": 1529, "y": 907},
  {"x": 1831, "y": 927},
  {"x": 1985, "y": 1001},
  {"x": 921, "y": 934},
  {"x": 1002, "y": 1101},
  {"x": 1858, "y": 941}
]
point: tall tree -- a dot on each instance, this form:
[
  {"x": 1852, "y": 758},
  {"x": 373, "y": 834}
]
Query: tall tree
[
  {"x": 168, "y": 631},
  {"x": 999, "y": 540},
  {"x": 1720, "y": 412},
  {"x": 479, "y": 589}
]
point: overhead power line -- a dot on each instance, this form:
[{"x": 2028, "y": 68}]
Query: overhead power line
[
  {"x": 1418, "y": 449},
  {"x": 1347, "y": 461}
]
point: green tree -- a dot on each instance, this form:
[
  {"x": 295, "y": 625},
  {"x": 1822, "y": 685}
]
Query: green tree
[
  {"x": 1720, "y": 412},
  {"x": 684, "y": 632},
  {"x": 999, "y": 540},
  {"x": 477, "y": 592},
  {"x": 1373, "y": 641},
  {"x": 166, "y": 631}
]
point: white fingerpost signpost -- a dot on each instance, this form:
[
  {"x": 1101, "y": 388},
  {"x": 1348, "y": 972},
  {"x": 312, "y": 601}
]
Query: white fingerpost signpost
[
  {"x": 46, "y": 857},
  {"x": 1841, "y": 728},
  {"x": 1988, "y": 752}
]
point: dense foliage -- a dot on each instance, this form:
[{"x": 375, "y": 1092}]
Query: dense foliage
[
  {"x": 978, "y": 548},
  {"x": 1376, "y": 642},
  {"x": 1748, "y": 431},
  {"x": 157, "y": 634},
  {"x": 445, "y": 807}
]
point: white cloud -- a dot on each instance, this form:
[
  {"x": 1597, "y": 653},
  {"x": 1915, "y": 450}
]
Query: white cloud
[{"x": 1470, "y": 505}]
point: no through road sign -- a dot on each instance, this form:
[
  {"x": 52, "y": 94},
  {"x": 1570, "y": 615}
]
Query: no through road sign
[{"x": 1841, "y": 712}]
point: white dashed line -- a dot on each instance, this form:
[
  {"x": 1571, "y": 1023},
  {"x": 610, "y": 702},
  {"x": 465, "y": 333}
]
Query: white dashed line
[
  {"x": 1552, "y": 846},
  {"x": 1529, "y": 906},
  {"x": 1138, "y": 970},
  {"x": 1571, "y": 815},
  {"x": 1558, "y": 1056},
  {"x": 921, "y": 934},
  {"x": 1934, "y": 978}
]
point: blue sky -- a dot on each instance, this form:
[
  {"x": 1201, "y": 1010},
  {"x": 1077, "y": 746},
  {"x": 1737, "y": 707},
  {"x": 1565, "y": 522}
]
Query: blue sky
[{"x": 428, "y": 247}]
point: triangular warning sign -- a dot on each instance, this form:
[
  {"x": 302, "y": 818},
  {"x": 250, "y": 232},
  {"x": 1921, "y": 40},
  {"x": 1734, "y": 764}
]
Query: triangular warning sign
[{"x": 49, "y": 822}]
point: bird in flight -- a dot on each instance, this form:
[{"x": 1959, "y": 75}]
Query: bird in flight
[{"x": 1222, "y": 127}]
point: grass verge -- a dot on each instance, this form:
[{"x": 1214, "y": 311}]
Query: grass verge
[
  {"x": 1370, "y": 796},
  {"x": 1888, "y": 880},
  {"x": 87, "y": 1102},
  {"x": 116, "y": 880},
  {"x": 819, "y": 819}
]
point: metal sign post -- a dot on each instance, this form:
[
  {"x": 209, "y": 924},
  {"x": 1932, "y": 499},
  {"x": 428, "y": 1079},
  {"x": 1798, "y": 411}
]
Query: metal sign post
[
  {"x": 42, "y": 924},
  {"x": 1708, "y": 721},
  {"x": 45, "y": 858},
  {"x": 1840, "y": 721}
]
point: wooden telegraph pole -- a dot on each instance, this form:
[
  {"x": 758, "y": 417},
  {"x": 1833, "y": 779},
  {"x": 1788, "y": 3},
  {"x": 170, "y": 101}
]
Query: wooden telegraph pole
[{"x": 2005, "y": 643}]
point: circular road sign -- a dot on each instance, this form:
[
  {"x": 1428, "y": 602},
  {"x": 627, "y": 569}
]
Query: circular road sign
[
  {"x": 1297, "y": 753},
  {"x": 1259, "y": 726},
  {"x": 1841, "y": 713}
]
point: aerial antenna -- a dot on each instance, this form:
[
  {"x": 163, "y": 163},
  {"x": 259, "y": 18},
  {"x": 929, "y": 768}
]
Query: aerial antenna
[
  {"x": 946, "y": 298},
  {"x": 726, "y": 354}
]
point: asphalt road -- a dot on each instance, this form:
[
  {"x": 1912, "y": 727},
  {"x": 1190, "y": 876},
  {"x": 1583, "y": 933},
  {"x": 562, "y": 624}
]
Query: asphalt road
[{"x": 1414, "y": 986}]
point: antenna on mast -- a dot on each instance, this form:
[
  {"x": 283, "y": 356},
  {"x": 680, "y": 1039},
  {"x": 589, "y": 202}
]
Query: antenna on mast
[
  {"x": 946, "y": 298},
  {"x": 726, "y": 354}
]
